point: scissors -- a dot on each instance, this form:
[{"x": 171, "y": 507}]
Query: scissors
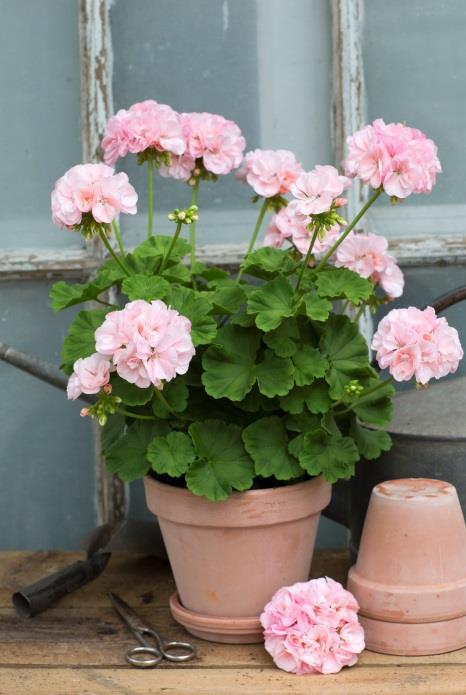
[{"x": 148, "y": 655}]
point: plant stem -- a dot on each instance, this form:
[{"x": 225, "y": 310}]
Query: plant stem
[
  {"x": 359, "y": 313},
  {"x": 118, "y": 238},
  {"x": 349, "y": 228},
  {"x": 170, "y": 248},
  {"x": 101, "y": 301},
  {"x": 260, "y": 219},
  {"x": 192, "y": 226},
  {"x": 163, "y": 401},
  {"x": 136, "y": 416},
  {"x": 108, "y": 246},
  {"x": 150, "y": 223},
  {"x": 369, "y": 392},
  {"x": 307, "y": 258}
]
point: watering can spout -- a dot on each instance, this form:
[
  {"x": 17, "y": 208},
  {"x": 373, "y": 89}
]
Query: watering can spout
[{"x": 41, "y": 369}]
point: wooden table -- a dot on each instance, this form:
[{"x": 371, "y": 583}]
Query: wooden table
[{"x": 78, "y": 647}]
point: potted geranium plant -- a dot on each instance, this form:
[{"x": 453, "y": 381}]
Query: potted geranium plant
[{"x": 240, "y": 399}]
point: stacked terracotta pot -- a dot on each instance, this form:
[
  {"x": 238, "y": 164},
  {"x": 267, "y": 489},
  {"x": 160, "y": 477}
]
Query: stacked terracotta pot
[{"x": 410, "y": 576}]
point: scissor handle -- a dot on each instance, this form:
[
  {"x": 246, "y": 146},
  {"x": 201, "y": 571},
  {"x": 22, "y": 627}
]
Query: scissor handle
[
  {"x": 144, "y": 657},
  {"x": 169, "y": 650}
]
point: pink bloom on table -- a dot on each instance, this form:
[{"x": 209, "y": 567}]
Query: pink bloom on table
[
  {"x": 95, "y": 189},
  {"x": 415, "y": 343},
  {"x": 313, "y": 627},
  {"x": 270, "y": 172},
  {"x": 317, "y": 190},
  {"x": 145, "y": 125},
  {"x": 367, "y": 255},
  {"x": 400, "y": 159},
  {"x": 90, "y": 374},
  {"x": 148, "y": 342}
]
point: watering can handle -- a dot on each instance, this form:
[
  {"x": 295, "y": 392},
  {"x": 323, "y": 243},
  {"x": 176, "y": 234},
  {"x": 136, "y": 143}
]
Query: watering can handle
[{"x": 449, "y": 299}]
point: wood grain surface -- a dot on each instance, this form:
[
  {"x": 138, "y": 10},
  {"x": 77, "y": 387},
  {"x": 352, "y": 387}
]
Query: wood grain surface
[{"x": 78, "y": 647}]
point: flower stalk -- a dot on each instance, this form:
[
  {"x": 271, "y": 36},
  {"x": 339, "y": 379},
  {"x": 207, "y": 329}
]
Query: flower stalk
[
  {"x": 109, "y": 248},
  {"x": 150, "y": 222},
  {"x": 349, "y": 228},
  {"x": 255, "y": 234}
]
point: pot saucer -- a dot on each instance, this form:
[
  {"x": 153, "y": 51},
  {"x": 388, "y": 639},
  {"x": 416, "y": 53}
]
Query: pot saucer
[{"x": 216, "y": 628}]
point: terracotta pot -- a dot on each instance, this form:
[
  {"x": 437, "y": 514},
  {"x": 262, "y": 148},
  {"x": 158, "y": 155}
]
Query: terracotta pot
[
  {"x": 410, "y": 576},
  {"x": 228, "y": 558}
]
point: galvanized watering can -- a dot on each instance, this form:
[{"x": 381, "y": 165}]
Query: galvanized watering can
[{"x": 428, "y": 430}]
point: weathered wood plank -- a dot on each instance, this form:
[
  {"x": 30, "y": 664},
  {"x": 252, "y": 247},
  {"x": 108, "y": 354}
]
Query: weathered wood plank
[{"x": 384, "y": 680}]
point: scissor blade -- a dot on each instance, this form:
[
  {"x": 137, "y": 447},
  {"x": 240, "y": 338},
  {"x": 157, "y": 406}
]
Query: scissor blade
[{"x": 129, "y": 617}]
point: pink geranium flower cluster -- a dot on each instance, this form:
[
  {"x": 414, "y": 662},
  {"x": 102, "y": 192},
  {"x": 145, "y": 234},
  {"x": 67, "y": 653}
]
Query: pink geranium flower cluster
[
  {"x": 94, "y": 189},
  {"x": 270, "y": 172},
  {"x": 288, "y": 225},
  {"x": 212, "y": 141},
  {"x": 367, "y": 255},
  {"x": 313, "y": 627},
  {"x": 410, "y": 342},
  {"x": 145, "y": 125},
  {"x": 400, "y": 159},
  {"x": 90, "y": 374},
  {"x": 319, "y": 190},
  {"x": 146, "y": 343}
]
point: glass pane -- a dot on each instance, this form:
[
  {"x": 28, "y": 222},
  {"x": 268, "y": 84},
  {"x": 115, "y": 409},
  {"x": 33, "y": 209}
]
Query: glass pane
[
  {"x": 40, "y": 117},
  {"x": 262, "y": 63},
  {"x": 414, "y": 57}
]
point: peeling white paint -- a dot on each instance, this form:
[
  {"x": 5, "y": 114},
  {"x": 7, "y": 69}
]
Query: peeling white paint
[{"x": 225, "y": 16}]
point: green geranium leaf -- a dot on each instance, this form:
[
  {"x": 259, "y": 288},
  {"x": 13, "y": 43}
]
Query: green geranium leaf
[
  {"x": 266, "y": 441},
  {"x": 129, "y": 393},
  {"x": 176, "y": 394},
  {"x": 145, "y": 287},
  {"x": 111, "y": 431},
  {"x": 80, "y": 341},
  {"x": 229, "y": 369},
  {"x": 302, "y": 422},
  {"x": 109, "y": 273},
  {"x": 177, "y": 273},
  {"x": 223, "y": 464},
  {"x": 377, "y": 411},
  {"x": 370, "y": 443},
  {"x": 171, "y": 454},
  {"x": 209, "y": 273},
  {"x": 275, "y": 375},
  {"x": 330, "y": 455},
  {"x": 346, "y": 351},
  {"x": 316, "y": 308},
  {"x": 271, "y": 303},
  {"x": 63, "y": 295},
  {"x": 242, "y": 319},
  {"x": 318, "y": 400},
  {"x": 341, "y": 283},
  {"x": 309, "y": 364},
  {"x": 196, "y": 308},
  {"x": 268, "y": 262},
  {"x": 157, "y": 246},
  {"x": 294, "y": 402},
  {"x": 227, "y": 298},
  {"x": 127, "y": 456},
  {"x": 282, "y": 340}
]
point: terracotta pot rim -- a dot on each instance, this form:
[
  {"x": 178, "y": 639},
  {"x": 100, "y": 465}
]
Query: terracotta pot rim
[
  {"x": 236, "y": 493},
  {"x": 242, "y": 509}
]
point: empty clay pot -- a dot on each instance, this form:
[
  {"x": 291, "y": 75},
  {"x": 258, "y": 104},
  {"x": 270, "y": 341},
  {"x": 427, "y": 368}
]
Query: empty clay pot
[
  {"x": 410, "y": 576},
  {"x": 228, "y": 558}
]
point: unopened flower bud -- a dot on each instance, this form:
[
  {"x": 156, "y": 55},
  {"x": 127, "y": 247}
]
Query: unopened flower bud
[
  {"x": 108, "y": 388},
  {"x": 197, "y": 171},
  {"x": 84, "y": 412},
  {"x": 181, "y": 215}
]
